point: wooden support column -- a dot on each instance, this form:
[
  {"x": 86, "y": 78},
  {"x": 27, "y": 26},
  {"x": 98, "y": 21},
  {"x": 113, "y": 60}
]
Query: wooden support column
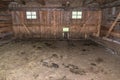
[
  {"x": 84, "y": 25},
  {"x": 99, "y": 24},
  {"x": 13, "y": 23}
]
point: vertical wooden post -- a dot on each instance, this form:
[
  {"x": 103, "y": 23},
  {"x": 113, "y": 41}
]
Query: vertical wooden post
[
  {"x": 13, "y": 23},
  {"x": 99, "y": 24}
]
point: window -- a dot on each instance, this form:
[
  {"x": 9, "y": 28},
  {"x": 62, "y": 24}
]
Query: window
[
  {"x": 77, "y": 15},
  {"x": 65, "y": 29},
  {"x": 31, "y": 15}
]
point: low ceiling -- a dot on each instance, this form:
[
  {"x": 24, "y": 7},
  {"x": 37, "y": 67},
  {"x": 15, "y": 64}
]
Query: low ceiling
[{"x": 4, "y": 3}]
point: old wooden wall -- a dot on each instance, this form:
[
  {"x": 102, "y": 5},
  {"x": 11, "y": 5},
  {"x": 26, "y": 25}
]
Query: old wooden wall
[
  {"x": 109, "y": 16},
  {"x": 50, "y": 22},
  {"x": 5, "y": 23}
]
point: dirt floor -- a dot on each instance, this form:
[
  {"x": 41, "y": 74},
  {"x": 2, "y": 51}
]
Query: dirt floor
[{"x": 57, "y": 60}]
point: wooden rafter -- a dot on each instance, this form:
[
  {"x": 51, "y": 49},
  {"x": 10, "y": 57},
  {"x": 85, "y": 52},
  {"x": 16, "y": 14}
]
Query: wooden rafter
[{"x": 42, "y": 2}]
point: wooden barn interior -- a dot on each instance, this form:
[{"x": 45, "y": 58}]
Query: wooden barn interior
[{"x": 59, "y": 39}]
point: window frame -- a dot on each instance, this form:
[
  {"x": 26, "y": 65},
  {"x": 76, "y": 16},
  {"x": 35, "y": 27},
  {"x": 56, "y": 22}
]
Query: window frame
[
  {"x": 31, "y": 15},
  {"x": 77, "y": 15}
]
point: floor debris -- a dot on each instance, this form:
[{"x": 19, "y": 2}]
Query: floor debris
[{"x": 57, "y": 60}]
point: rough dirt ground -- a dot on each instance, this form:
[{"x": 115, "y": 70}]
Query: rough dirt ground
[{"x": 57, "y": 60}]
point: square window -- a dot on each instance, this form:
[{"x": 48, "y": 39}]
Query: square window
[
  {"x": 31, "y": 15},
  {"x": 77, "y": 15},
  {"x": 65, "y": 29}
]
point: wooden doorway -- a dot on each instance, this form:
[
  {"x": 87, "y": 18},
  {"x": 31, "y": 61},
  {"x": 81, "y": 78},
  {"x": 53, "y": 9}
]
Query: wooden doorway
[{"x": 65, "y": 32}]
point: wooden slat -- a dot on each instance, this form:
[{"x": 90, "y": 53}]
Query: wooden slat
[
  {"x": 5, "y": 29},
  {"x": 5, "y": 25}
]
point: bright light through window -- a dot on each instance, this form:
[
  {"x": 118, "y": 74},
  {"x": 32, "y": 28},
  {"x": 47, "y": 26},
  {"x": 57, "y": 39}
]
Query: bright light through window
[
  {"x": 77, "y": 15},
  {"x": 31, "y": 15}
]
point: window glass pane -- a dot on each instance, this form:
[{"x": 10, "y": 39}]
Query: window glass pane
[
  {"x": 28, "y": 13},
  {"x": 79, "y": 17},
  {"x": 74, "y": 17},
  {"x": 33, "y": 13},
  {"x": 79, "y": 13},
  {"x": 74, "y": 13},
  {"x": 28, "y": 17},
  {"x": 34, "y": 17}
]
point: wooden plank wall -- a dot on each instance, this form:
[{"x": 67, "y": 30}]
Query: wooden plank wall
[
  {"x": 5, "y": 23},
  {"x": 50, "y": 22},
  {"x": 109, "y": 16}
]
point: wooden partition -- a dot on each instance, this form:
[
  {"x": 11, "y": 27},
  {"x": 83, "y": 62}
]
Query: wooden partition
[
  {"x": 50, "y": 23},
  {"x": 5, "y": 23}
]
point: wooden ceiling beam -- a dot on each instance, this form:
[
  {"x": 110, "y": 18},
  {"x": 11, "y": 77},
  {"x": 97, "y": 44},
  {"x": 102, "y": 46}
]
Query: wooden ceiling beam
[{"x": 5, "y": 3}]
